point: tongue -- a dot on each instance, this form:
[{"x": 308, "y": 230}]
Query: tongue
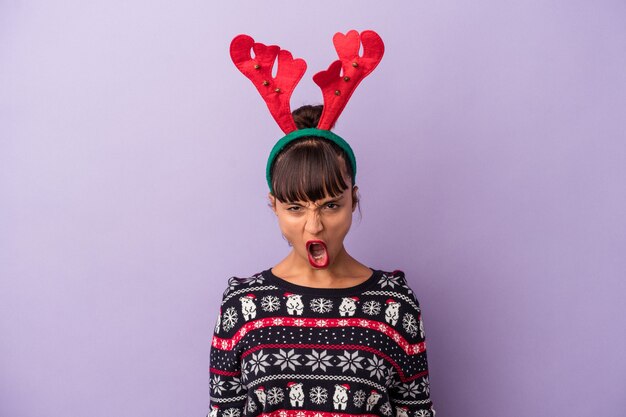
[
  {"x": 317, "y": 249},
  {"x": 318, "y": 258}
]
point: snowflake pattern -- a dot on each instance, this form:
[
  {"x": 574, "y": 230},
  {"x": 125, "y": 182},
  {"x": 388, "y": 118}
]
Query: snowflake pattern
[
  {"x": 392, "y": 381},
  {"x": 229, "y": 318},
  {"x": 389, "y": 280},
  {"x": 270, "y": 303},
  {"x": 258, "y": 362},
  {"x": 256, "y": 279},
  {"x": 425, "y": 385},
  {"x": 422, "y": 413},
  {"x": 371, "y": 307},
  {"x": 350, "y": 361},
  {"x": 409, "y": 390},
  {"x": 286, "y": 359},
  {"x": 217, "y": 323},
  {"x": 217, "y": 385},
  {"x": 318, "y": 395},
  {"x": 386, "y": 408},
  {"x": 376, "y": 367},
  {"x": 275, "y": 395},
  {"x": 359, "y": 398},
  {"x": 321, "y": 305},
  {"x": 318, "y": 359},
  {"x": 237, "y": 385},
  {"x": 233, "y": 283},
  {"x": 410, "y": 324},
  {"x": 231, "y": 412}
]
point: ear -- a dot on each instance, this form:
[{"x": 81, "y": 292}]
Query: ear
[
  {"x": 354, "y": 197},
  {"x": 272, "y": 200}
]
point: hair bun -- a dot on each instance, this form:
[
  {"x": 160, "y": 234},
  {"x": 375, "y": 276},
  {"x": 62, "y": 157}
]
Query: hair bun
[{"x": 307, "y": 116}]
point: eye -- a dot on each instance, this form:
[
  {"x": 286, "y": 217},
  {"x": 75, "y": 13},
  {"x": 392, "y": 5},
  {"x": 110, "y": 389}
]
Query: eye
[
  {"x": 332, "y": 206},
  {"x": 293, "y": 208}
]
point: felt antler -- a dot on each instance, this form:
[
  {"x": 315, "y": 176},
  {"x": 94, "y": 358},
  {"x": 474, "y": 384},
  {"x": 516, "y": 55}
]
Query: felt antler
[
  {"x": 338, "y": 87},
  {"x": 276, "y": 91}
]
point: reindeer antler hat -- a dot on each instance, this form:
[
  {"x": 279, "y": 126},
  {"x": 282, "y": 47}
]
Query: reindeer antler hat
[{"x": 338, "y": 83}]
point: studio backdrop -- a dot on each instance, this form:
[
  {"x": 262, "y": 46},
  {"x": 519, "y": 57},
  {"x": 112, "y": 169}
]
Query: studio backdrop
[{"x": 491, "y": 142}]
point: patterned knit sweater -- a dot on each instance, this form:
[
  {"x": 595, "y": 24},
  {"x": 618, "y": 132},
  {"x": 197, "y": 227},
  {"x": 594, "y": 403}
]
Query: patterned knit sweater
[{"x": 285, "y": 350}]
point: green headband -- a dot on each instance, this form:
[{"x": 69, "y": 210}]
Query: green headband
[{"x": 315, "y": 132}]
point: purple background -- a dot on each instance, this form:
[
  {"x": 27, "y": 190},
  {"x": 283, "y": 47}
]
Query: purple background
[{"x": 491, "y": 144}]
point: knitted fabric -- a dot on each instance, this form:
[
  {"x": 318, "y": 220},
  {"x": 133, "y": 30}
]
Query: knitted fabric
[{"x": 285, "y": 350}]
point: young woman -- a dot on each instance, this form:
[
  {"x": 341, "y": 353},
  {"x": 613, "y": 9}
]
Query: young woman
[{"x": 320, "y": 334}]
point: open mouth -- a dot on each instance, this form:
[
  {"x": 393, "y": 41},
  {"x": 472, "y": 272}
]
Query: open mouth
[{"x": 318, "y": 253}]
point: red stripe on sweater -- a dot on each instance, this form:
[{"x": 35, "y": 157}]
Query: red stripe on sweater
[
  {"x": 225, "y": 373},
  {"x": 229, "y": 344}
]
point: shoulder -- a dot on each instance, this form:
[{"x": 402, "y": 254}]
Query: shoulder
[
  {"x": 394, "y": 281},
  {"x": 395, "y": 285},
  {"x": 242, "y": 287},
  {"x": 239, "y": 302},
  {"x": 238, "y": 285},
  {"x": 402, "y": 309}
]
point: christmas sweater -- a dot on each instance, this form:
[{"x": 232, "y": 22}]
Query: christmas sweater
[{"x": 285, "y": 350}]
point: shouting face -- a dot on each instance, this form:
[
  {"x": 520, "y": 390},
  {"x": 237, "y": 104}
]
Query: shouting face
[{"x": 316, "y": 229}]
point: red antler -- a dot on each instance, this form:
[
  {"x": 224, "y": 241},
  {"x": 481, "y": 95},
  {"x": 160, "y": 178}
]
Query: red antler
[
  {"x": 338, "y": 87},
  {"x": 276, "y": 91}
]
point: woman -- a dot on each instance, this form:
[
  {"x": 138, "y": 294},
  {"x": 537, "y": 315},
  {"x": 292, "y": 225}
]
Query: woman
[{"x": 320, "y": 334}]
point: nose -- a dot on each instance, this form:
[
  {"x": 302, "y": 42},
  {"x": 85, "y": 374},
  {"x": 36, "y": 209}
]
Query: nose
[{"x": 313, "y": 223}]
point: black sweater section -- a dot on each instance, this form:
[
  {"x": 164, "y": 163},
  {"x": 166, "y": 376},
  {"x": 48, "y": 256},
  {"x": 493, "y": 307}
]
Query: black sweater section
[{"x": 285, "y": 350}]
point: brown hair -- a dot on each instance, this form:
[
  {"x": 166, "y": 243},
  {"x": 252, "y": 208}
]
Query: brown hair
[{"x": 310, "y": 168}]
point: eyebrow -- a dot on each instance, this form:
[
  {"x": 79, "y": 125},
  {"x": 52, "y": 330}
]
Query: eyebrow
[{"x": 332, "y": 200}]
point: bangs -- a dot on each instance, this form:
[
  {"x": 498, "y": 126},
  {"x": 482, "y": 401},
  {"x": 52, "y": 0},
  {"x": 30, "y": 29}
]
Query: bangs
[{"x": 309, "y": 169}]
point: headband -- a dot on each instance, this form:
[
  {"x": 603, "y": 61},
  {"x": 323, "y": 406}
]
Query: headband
[
  {"x": 337, "y": 83},
  {"x": 301, "y": 133}
]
